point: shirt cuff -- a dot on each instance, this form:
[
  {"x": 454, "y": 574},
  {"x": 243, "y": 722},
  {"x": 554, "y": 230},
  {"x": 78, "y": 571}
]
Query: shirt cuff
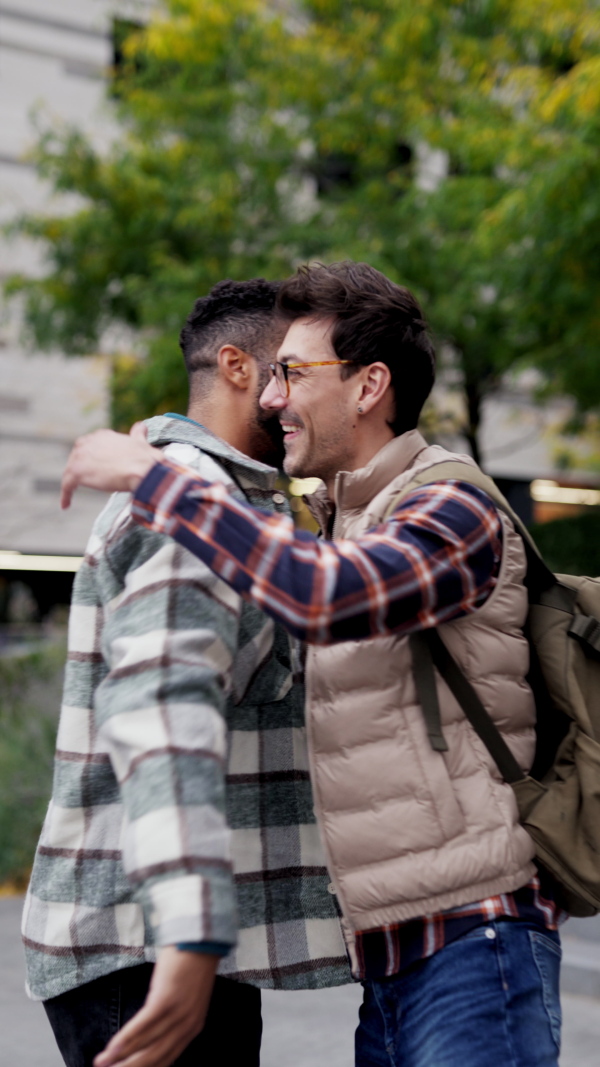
[{"x": 210, "y": 948}]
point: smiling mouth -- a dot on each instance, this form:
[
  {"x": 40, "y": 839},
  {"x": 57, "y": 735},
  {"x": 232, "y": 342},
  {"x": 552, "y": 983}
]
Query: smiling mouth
[{"x": 290, "y": 429}]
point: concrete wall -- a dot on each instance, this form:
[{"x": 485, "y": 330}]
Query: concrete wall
[{"x": 54, "y": 55}]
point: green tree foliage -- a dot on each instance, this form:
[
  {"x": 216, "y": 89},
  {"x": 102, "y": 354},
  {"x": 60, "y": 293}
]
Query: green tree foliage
[
  {"x": 176, "y": 203},
  {"x": 545, "y": 230},
  {"x": 256, "y": 135},
  {"x": 572, "y": 545},
  {"x": 29, "y": 703},
  {"x": 505, "y": 250}
]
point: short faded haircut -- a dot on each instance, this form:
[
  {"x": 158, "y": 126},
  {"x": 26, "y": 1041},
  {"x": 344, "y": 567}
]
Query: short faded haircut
[{"x": 233, "y": 313}]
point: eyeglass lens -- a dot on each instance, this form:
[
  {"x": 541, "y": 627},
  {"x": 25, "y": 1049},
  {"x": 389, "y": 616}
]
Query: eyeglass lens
[{"x": 282, "y": 378}]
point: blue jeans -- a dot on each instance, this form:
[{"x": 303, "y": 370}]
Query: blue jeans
[{"x": 489, "y": 999}]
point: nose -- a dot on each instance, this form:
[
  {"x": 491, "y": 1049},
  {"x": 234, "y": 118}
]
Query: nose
[{"x": 271, "y": 399}]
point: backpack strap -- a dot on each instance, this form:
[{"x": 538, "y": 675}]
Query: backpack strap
[
  {"x": 470, "y": 703},
  {"x": 428, "y": 649},
  {"x": 539, "y": 576},
  {"x": 426, "y": 686},
  {"x": 586, "y": 629}
]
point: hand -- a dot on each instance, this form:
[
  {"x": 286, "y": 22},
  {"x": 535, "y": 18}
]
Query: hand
[
  {"x": 110, "y": 461},
  {"x": 173, "y": 1014}
]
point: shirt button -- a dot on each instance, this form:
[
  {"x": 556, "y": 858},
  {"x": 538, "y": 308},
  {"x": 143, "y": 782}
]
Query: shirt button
[
  {"x": 331, "y": 889},
  {"x": 278, "y": 498},
  {"x": 490, "y": 934}
]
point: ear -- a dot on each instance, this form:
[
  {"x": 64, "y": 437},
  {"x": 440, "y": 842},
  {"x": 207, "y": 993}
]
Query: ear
[
  {"x": 375, "y": 382},
  {"x": 236, "y": 366}
]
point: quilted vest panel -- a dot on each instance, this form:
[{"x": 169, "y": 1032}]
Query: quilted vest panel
[{"x": 409, "y": 831}]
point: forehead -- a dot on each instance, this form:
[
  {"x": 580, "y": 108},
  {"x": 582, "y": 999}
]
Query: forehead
[{"x": 306, "y": 340}]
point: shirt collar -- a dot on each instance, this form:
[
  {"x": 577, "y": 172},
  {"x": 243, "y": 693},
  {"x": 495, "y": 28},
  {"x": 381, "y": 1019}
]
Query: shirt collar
[{"x": 165, "y": 429}]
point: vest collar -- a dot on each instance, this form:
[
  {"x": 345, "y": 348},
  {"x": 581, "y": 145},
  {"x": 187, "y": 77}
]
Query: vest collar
[{"x": 356, "y": 489}]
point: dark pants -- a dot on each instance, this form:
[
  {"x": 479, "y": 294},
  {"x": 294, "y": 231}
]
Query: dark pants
[{"x": 85, "y": 1019}]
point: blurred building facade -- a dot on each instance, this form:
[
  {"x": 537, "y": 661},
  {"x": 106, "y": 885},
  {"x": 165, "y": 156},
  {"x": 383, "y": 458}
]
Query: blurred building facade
[{"x": 54, "y": 58}]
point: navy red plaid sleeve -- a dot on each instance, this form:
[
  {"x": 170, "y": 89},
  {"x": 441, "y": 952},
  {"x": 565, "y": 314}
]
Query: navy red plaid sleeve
[{"x": 435, "y": 559}]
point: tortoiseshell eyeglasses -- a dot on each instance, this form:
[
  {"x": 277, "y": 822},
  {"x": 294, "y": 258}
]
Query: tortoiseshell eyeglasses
[{"x": 280, "y": 371}]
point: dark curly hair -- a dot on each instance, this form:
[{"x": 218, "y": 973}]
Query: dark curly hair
[
  {"x": 234, "y": 313},
  {"x": 374, "y": 320}
]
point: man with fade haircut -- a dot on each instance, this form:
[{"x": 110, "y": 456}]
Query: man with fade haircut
[
  {"x": 181, "y": 790},
  {"x": 449, "y": 925}
]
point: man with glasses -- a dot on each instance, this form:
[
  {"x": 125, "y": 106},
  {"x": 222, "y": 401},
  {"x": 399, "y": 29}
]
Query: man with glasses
[{"x": 447, "y": 922}]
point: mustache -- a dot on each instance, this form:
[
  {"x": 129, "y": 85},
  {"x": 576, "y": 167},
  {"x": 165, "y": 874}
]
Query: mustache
[{"x": 291, "y": 420}]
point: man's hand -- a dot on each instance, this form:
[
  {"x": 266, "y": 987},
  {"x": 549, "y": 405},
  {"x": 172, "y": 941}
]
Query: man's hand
[
  {"x": 114, "y": 462},
  {"x": 173, "y": 1014}
]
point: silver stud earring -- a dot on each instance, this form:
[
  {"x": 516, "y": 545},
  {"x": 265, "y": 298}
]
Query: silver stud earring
[{"x": 359, "y": 409}]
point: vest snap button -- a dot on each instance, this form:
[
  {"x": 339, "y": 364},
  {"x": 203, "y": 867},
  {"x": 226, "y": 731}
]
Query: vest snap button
[{"x": 490, "y": 934}]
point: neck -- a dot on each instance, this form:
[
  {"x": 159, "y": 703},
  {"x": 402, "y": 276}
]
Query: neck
[
  {"x": 370, "y": 439},
  {"x": 223, "y": 423}
]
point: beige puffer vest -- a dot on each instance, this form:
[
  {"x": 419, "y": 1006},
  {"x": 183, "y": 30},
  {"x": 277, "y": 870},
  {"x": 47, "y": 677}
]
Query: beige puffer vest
[{"x": 409, "y": 831}]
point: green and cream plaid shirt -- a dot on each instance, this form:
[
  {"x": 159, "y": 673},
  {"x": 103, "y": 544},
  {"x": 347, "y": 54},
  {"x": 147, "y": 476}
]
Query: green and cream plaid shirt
[{"x": 181, "y": 807}]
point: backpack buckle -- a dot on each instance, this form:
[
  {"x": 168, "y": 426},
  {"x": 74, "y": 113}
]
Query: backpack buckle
[{"x": 587, "y": 631}]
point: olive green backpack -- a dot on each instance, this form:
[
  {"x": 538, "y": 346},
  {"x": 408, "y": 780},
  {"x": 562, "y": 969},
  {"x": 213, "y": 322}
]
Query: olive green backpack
[{"x": 559, "y": 801}]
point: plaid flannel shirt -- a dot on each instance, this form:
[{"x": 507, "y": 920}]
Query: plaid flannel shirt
[
  {"x": 181, "y": 779},
  {"x": 436, "y": 558},
  {"x": 394, "y": 948}
]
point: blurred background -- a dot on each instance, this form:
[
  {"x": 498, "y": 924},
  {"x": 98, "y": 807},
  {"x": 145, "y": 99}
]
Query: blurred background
[{"x": 146, "y": 152}]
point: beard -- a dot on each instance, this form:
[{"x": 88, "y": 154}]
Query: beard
[
  {"x": 267, "y": 434},
  {"x": 267, "y": 439}
]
